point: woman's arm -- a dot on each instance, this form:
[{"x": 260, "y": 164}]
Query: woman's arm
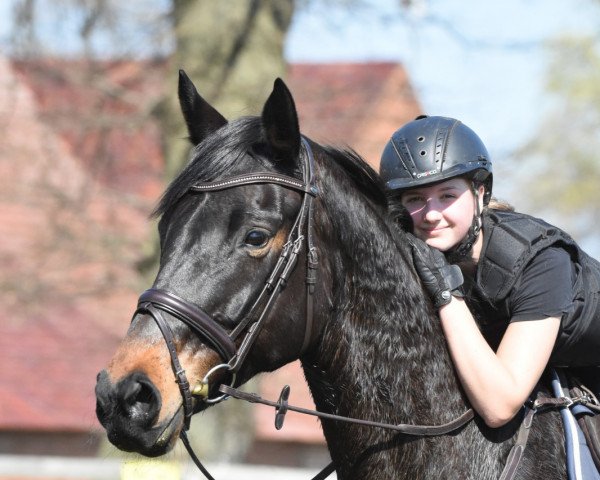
[{"x": 497, "y": 383}]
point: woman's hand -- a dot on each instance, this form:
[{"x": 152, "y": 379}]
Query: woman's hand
[{"x": 440, "y": 279}]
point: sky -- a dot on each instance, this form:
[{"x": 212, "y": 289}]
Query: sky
[{"x": 482, "y": 62}]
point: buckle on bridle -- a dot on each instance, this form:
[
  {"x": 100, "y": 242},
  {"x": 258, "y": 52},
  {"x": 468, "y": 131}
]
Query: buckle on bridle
[
  {"x": 298, "y": 244},
  {"x": 202, "y": 388}
]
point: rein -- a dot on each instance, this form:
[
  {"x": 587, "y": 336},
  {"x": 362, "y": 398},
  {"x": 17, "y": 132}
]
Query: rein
[
  {"x": 154, "y": 302},
  {"x": 282, "y": 407}
]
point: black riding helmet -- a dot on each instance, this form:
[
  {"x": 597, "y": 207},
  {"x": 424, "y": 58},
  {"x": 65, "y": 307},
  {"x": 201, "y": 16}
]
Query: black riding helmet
[
  {"x": 429, "y": 150},
  {"x": 433, "y": 149}
]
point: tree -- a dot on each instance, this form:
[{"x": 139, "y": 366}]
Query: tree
[
  {"x": 232, "y": 49},
  {"x": 560, "y": 170}
]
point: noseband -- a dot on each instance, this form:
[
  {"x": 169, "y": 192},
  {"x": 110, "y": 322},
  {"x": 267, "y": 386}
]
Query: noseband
[{"x": 154, "y": 302}]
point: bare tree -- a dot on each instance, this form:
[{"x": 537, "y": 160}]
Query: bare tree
[
  {"x": 233, "y": 50},
  {"x": 560, "y": 166}
]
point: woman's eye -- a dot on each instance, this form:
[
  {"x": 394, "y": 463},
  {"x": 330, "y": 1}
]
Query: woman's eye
[
  {"x": 256, "y": 238},
  {"x": 414, "y": 201}
]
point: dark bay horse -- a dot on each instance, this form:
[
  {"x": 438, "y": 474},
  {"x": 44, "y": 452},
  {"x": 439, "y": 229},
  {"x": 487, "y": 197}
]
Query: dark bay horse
[{"x": 369, "y": 340}]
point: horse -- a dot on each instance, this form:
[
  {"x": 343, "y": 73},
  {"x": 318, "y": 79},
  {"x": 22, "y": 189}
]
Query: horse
[{"x": 254, "y": 193}]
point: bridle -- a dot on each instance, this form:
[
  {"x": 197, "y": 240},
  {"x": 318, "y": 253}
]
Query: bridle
[{"x": 154, "y": 302}]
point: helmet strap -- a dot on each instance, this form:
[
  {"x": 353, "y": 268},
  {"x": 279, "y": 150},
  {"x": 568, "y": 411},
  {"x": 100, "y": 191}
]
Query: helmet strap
[{"x": 463, "y": 249}]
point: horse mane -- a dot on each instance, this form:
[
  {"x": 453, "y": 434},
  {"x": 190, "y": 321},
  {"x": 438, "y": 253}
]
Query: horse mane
[
  {"x": 220, "y": 153},
  {"x": 378, "y": 261},
  {"x": 361, "y": 173}
]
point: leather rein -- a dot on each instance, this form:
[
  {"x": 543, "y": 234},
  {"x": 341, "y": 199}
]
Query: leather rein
[{"x": 154, "y": 302}]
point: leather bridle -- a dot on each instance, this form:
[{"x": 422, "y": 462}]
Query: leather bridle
[{"x": 154, "y": 302}]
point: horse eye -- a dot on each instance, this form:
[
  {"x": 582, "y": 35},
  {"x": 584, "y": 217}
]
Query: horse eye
[{"x": 256, "y": 238}]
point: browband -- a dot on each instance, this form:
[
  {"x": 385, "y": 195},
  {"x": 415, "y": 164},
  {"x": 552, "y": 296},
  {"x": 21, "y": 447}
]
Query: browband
[{"x": 253, "y": 178}]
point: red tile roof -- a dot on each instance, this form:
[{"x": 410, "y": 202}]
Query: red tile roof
[
  {"x": 67, "y": 269},
  {"x": 355, "y": 104},
  {"x": 74, "y": 200}
]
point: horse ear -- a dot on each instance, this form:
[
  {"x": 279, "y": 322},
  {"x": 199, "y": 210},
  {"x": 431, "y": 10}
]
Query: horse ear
[
  {"x": 201, "y": 118},
  {"x": 280, "y": 122}
]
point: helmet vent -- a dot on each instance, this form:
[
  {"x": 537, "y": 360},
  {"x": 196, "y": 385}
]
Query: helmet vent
[
  {"x": 423, "y": 153},
  {"x": 421, "y": 139}
]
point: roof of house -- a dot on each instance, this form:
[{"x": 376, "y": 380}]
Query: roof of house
[
  {"x": 75, "y": 195},
  {"x": 353, "y": 104},
  {"x": 67, "y": 255}
]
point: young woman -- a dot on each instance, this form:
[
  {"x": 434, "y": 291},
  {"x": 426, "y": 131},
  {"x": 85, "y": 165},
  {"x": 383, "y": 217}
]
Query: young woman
[{"x": 530, "y": 295}]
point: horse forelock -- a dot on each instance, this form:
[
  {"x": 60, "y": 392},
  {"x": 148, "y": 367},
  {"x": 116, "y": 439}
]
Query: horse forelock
[
  {"x": 222, "y": 152},
  {"x": 237, "y": 147}
]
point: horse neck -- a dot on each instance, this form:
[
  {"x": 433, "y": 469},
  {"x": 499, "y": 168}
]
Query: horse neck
[{"x": 382, "y": 352}]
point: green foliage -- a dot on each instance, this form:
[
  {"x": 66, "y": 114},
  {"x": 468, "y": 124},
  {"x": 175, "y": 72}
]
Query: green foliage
[
  {"x": 574, "y": 73},
  {"x": 560, "y": 169}
]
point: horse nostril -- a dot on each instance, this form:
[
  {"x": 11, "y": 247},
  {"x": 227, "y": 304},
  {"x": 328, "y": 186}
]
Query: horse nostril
[
  {"x": 139, "y": 399},
  {"x": 131, "y": 391}
]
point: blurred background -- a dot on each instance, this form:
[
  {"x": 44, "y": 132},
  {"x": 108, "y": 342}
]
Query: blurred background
[{"x": 91, "y": 134}]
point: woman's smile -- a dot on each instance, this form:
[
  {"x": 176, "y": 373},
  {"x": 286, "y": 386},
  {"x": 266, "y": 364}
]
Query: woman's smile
[{"x": 442, "y": 213}]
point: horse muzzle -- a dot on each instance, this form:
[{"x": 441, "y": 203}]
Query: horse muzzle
[{"x": 129, "y": 410}]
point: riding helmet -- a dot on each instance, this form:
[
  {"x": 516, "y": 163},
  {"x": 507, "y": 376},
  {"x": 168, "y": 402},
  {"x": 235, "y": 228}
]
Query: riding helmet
[{"x": 433, "y": 149}]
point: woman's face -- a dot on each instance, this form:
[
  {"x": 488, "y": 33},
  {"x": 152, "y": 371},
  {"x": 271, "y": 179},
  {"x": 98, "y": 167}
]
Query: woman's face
[{"x": 442, "y": 213}]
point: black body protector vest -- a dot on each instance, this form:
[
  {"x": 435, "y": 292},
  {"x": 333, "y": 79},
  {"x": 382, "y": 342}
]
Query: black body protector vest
[{"x": 511, "y": 241}]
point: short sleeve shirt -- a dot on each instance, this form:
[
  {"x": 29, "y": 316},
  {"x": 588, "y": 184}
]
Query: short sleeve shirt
[{"x": 545, "y": 287}]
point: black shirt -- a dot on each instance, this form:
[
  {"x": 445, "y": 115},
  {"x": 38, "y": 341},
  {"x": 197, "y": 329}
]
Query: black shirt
[
  {"x": 531, "y": 270},
  {"x": 545, "y": 288}
]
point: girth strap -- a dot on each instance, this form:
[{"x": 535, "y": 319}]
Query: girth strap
[{"x": 516, "y": 452}]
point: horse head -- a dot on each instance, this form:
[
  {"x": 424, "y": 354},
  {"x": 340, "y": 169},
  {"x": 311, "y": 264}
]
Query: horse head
[{"x": 227, "y": 301}]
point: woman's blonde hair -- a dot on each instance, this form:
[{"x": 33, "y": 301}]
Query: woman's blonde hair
[{"x": 501, "y": 205}]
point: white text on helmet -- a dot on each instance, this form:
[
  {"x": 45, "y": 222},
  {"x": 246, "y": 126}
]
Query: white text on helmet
[{"x": 426, "y": 174}]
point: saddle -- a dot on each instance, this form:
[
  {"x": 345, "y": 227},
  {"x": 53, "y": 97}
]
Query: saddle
[{"x": 581, "y": 421}]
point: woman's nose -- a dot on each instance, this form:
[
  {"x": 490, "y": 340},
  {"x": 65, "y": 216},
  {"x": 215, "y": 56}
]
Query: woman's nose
[{"x": 432, "y": 211}]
